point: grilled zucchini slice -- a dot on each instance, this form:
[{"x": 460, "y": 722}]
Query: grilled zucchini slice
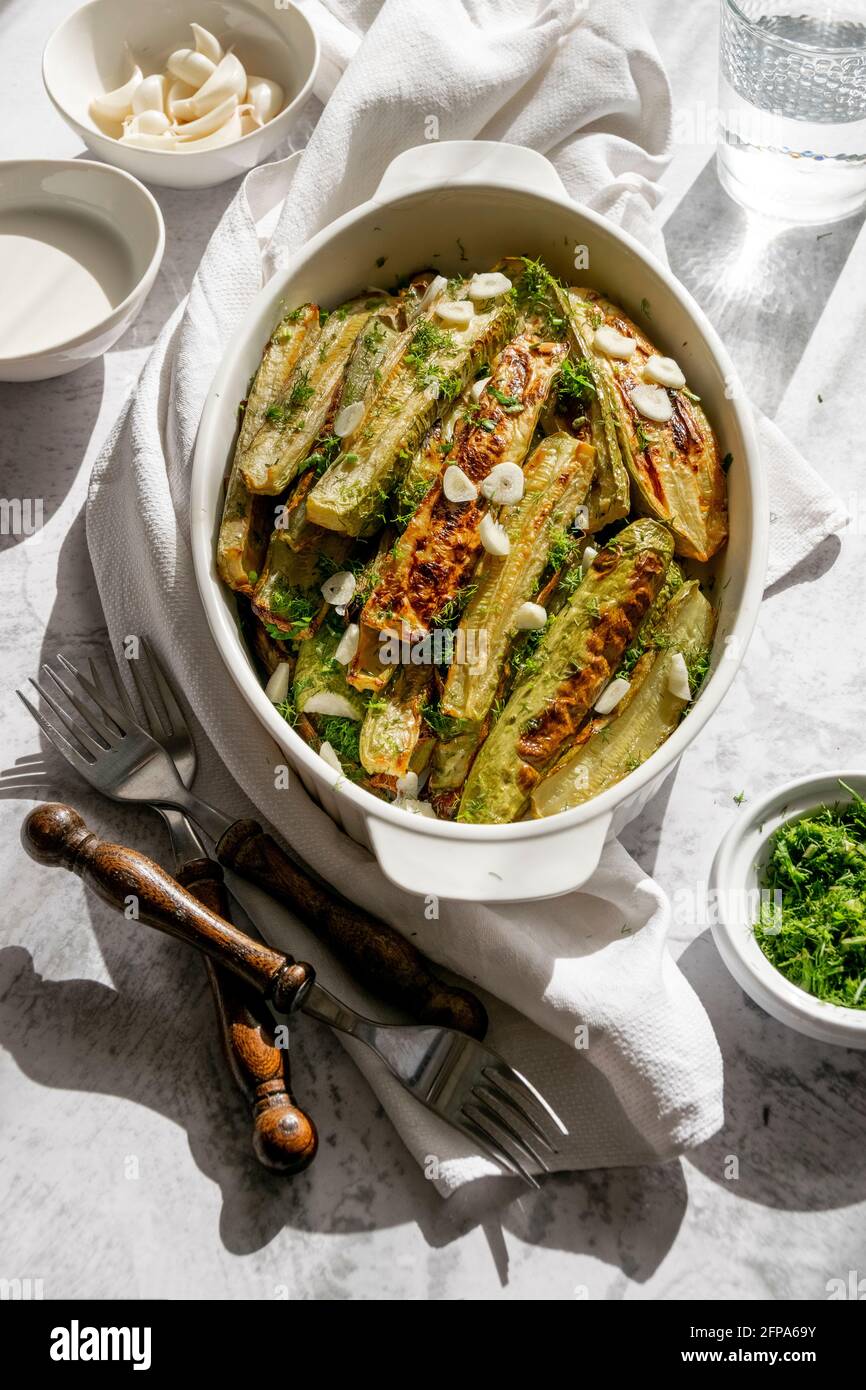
[
  {"x": 436, "y": 554},
  {"x": 320, "y": 686},
  {"x": 293, "y": 423},
  {"x": 392, "y": 724},
  {"x": 645, "y": 718},
  {"x": 435, "y": 367},
  {"x": 246, "y": 519},
  {"x": 578, "y": 653},
  {"x": 288, "y": 595},
  {"x": 675, "y": 469},
  {"x": 558, "y": 476}
]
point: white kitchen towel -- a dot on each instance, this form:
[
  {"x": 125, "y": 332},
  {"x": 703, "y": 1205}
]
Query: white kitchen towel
[{"x": 582, "y": 993}]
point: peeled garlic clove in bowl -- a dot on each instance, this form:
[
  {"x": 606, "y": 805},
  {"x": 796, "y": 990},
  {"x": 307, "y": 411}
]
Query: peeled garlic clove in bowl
[
  {"x": 150, "y": 94},
  {"x": 266, "y": 99},
  {"x": 190, "y": 66},
  {"x": 206, "y": 43},
  {"x": 226, "y": 80},
  {"x": 116, "y": 105},
  {"x": 206, "y": 125}
]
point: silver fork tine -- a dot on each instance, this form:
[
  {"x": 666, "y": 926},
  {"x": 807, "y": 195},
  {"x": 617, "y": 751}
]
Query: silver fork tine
[
  {"x": 93, "y": 724},
  {"x": 488, "y": 1145},
  {"x": 172, "y": 708},
  {"x": 525, "y": 1089},
  {"x": 509, "y": 1115},
  {"x": 100, "y": 700},
  {"x": 498, "y": 1141},
  {"x": 64, "y": 748},
  {"x": 498, "y": 1093},
  {"x": 497, "y": 1118},
  {"x": 151, "y": 713},
  {"x": 117, "y": 686},
  {"x": 83, "y": 736}
]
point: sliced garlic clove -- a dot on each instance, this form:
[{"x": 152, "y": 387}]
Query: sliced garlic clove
[
  {"x": 493, "y": 537},
  {"x": 348, "y": 644},
  {"x": 587, "y": 558},
  {"x": 437, "y": 286},
  {"x": 678, "y": 677},
  {"x": 664, "y": 371},
  {"x": 329, "y": 703},
  {"x": 227, "y": 80},
  {"x": 489, "y": 285},
  {"x": 206, "y": 43},
  {"x": 149, "y": 95},
  {"x": 191, "y": 67},
  {"x": 504, "y": 484},
  {"x": 339, "y": 588},
  {"x": 206, "y": 125},
  {"x": 277, "y": 688},
  {"x": 178, "y": 92},
  {"x": 479, "y": 388},
  {"x": 266, "y": 99},
  {"x": 418, "y": 808},
  {"x": 349, "y": 419},
  {"x": 611, "y": 695},
  {"x": 114, "y": 106},
  {"x": 149, "y": 122},
  {"x": 457, "y": 486},
  {"x": 328, "y": 755},
  {"x": 457, "y": 313},
  {"x": 530, "y": 617},
  {"x": 653, "y": 402},
  {"x": 408, "y": 785},
  {"x": 613, "y": 344}
]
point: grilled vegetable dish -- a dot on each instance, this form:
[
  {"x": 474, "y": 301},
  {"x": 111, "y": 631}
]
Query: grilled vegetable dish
[{"x": 459, "y": 521}]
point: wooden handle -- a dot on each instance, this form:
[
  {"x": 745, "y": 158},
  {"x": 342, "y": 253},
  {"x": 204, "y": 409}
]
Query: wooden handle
[
  {"x": 54, "y": 834},
  {"x": 377, "y": 955},
  {"x": 284, "y": 1136}
]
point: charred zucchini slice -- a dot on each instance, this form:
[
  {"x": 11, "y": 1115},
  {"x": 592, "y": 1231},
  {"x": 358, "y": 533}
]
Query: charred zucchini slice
[
  {"x": 435, "y": 367},
  {"x": 558, "y": 476},
  {"x": 293, "y": 423},
  {"x": 436, "y": 554},
  {"x": 675, "y": 469},
  {"x": 646, "y": 717},
  {"x": 578, "y": 654},
  {"x": 247, "y": 519}
]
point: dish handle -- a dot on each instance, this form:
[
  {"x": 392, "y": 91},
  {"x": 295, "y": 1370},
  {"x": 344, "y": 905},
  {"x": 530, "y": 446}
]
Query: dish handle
[
  {"x": 476, "y": 870},
  {"x": 469, "y": 162}
]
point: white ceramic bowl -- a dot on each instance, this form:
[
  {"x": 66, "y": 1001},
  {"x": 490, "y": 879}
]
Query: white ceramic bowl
[
  {"x": 89, "y": 55},
  {"x": 80, "y": 248},
  {"x": 735, "y": 888},
  {"x": 458, "y": 206}
]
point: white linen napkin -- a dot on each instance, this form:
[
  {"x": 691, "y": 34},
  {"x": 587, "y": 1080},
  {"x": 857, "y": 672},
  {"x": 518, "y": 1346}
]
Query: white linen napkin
[{"x": 582, "y": 993}]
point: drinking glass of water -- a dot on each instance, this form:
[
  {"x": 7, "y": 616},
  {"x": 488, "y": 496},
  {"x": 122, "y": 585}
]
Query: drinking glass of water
[{"x": 792, "y": 101}]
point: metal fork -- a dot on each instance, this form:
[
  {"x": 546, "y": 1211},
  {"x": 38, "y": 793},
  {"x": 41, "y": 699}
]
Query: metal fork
[{"x": 456, "y": 1077}]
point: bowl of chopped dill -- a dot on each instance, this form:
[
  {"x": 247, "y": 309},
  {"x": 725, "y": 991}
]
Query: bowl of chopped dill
[{"x": 788, "y": 888}]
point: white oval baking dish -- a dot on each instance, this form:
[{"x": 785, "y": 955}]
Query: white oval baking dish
[{"x": 458, "y": 206}]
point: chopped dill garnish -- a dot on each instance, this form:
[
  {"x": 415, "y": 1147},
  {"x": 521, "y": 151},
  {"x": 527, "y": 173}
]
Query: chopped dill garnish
[
  {"x": 814, "y": 928},
  {"x": 344, "y": 736},
  {"x": 575, "y": 384},
  {"x": 535, "y": 293}
]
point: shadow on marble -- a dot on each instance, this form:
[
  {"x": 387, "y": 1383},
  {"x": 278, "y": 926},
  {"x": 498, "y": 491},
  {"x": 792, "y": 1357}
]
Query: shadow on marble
[
  {"x": 759, "y": 281},
  {"x": 46, "y": 432},
  {"x": 814, "y": 566},
  {"x": 795, "y": 1109}
]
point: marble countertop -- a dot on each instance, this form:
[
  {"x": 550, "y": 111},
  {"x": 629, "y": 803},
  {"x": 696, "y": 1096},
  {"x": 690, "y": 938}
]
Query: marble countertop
[{"x": 124, "y": 1160}]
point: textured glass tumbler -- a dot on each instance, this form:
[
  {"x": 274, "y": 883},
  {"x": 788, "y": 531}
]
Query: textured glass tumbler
[{"x": 792, "y": 107}]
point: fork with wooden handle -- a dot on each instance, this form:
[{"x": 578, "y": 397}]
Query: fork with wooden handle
[
  {"x": 284, "y": 1137},
  {"x": 117, "y": 756},
  {"x": 462, "y": 1081}
]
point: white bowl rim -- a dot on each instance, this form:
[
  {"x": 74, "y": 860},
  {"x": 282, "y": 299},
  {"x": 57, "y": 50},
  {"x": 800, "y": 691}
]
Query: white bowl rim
[
  {"x": 224, "y": 630},
  {"x": 144, "y": 281},
  {"x": 156, "y": 155},
  {"x": 818, "y": 1018}
]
